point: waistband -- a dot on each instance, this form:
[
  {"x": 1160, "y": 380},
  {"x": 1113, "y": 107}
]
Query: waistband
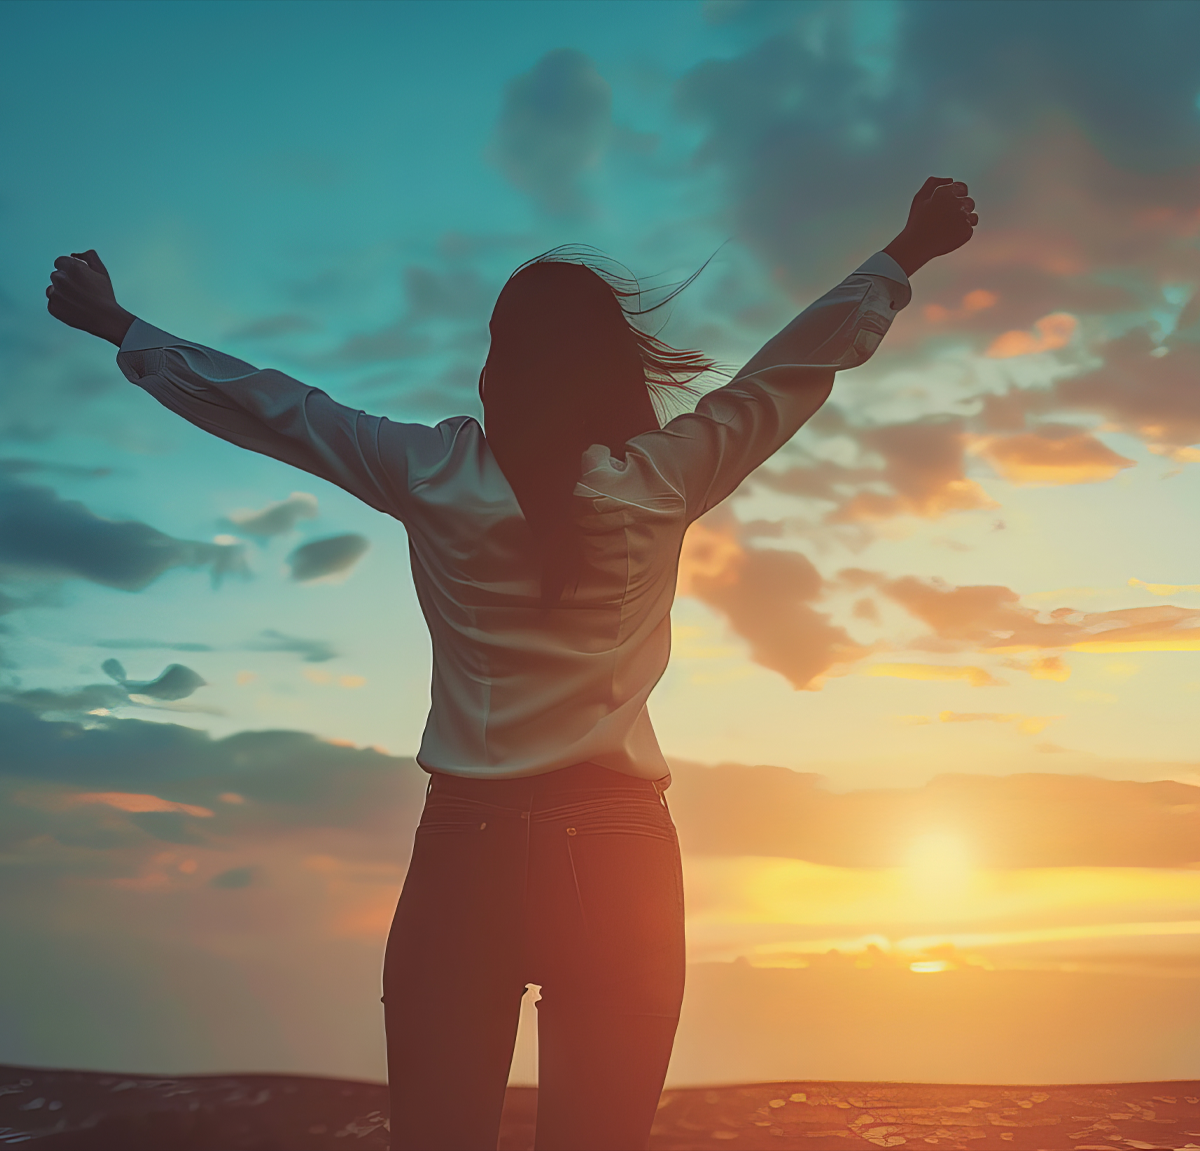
[{"x": 577, "y": 777}]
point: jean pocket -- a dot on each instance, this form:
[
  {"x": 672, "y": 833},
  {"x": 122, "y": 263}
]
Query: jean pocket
[
  {"x": 613, "y": 817},
  {"x": 453, "y": 814}
]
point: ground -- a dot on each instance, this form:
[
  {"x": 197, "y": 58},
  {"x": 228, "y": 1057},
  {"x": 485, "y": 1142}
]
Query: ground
[{"x": 53, "y": 1110}]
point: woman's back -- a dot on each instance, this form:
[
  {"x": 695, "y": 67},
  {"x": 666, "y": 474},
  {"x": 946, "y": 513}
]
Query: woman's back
[
  {"x": 520, "y": 687},
  {"x": 524, "y": 683}
]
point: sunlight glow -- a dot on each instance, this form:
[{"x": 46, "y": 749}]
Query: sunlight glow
[{"x": 939, "y": 865}]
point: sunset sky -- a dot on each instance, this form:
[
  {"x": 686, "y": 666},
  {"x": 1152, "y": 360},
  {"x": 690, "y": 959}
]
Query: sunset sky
[{"x": 980, "y": 560}]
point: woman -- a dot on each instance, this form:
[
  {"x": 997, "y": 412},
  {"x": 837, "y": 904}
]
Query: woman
[{"x": 544, "y": 553}]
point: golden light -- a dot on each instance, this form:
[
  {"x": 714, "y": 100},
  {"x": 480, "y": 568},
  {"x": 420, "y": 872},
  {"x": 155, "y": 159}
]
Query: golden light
[
  {"x": 929, "y": 966},
  {"x": 939, "y": 866}
]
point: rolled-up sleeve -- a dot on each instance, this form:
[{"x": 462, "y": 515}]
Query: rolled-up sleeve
[
  {"x": 272, "y": 413},
  {"x": 703, "y": 456}
]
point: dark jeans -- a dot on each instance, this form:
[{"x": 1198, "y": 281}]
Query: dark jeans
[{"x": 570, "y": 880}]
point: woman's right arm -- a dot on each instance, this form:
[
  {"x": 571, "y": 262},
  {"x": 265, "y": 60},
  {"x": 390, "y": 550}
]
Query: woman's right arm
[
  {"x": 276, "y": 415},
  {"x": 265, "y": 411}
]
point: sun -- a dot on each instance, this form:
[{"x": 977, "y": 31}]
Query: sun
[{"x": 938, "y": 866}]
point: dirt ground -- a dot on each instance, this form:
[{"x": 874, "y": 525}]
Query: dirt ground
[{"x": 51, "y": 1110}]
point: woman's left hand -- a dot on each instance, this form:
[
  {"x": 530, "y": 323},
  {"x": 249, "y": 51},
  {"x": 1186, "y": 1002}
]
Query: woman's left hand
[{"x": 81, "y": 296}]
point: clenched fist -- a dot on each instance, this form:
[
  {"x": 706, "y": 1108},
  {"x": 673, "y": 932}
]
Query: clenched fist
[
  {"x": 941, "y": 219},
  {"x": 81, "y": 295}
]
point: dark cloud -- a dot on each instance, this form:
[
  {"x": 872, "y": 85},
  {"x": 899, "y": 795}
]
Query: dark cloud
[
  {"x": 176, "y": 682},
  {"x": 454, "y": 294},
  {"x": 395, "y": 341},
  {"x": 278, "y": 778},
  {"x": 1153, "y": 397},
  {"x": 234, "y": 879},
  {"x": 125, "y": 780},
  {"x": 270, "y": 326},
  {"x": 15, "y": 467},
  {"x": 151, "y": 645},
  {"x": 276, "y": 518},
  {"x": 1009, "y": 821},
  {"x": 43, "y": 536},
  {"x": 802, "y": 122},
  {"x": 327, "y": 556},
  {"x": 310, "y": 650},
  {"x": 75, "y": 700},
  {"x": 554, "y": 125},
  {"x": 922, "y": 472}
]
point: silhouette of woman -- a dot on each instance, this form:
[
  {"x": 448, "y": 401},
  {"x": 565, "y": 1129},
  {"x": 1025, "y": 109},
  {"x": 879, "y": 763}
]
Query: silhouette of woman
[{"x": 544, "y": 553}]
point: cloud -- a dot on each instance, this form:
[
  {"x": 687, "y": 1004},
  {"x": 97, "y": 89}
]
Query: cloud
[
  {"x": 134, "y": 802},
  {"x": 975, "y": 676},
  {"x": 1050, "y": 332},
  {"x": 270, "y": 326},
  {"x": 151, "y": 645},
  {"x": 554, "y": 125},
  {"x": 1150, "y": 396},
  {"x": 923, "y": 466},
  {"x": 800, "y": 123},
  {"x": 766, "y": 595},
  {"x": 234, "y": 879},
  {"x": 991, "y": 618},
  {"x": 310, "y": 650},
  {"x": 1164, "y": 588},
  {"x": 14, "y": 467},
  {"x": 176, "y": 682},
  {"x": 1025, "y": 724},
  {"x": 1009, "y": 821},
  {"x": 332, "y": 555},
  {"x": 276, "y": 518},
  {"x": 45, "y": 537},
  {"x": 1051, "y": 454}
]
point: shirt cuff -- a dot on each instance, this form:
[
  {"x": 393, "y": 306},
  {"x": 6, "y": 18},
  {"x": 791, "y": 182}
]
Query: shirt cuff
[
  {"x": 142, "y": 336},
  {"x": 881, "y": 264}
]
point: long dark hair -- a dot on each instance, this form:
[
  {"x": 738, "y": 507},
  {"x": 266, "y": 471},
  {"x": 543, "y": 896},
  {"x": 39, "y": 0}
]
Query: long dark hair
[{"x": 567, "y": 369}]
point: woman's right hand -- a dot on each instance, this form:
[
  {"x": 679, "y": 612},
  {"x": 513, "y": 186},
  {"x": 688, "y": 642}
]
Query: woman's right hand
[
  {"x": 941, "y": 219},
  {"x": 81, "y": 296}
]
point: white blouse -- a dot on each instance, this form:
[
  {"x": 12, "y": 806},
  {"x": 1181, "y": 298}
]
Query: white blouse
[{"x": 519, "y": 689}]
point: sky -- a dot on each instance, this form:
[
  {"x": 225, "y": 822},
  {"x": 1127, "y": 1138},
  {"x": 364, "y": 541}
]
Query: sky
[{"x": 960, "y": 612}]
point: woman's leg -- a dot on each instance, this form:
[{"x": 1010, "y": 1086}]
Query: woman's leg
[
  {"x": 452, "y": 977},
  {"x": 606, "y": 923}
]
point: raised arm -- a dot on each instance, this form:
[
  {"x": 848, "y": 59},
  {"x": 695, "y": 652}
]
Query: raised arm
[
  {"x": 704, "y": 455},
  {"x": 265, "y": 411}
]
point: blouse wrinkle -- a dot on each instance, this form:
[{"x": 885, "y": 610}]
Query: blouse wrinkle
[{"x": 519, "y": 689}]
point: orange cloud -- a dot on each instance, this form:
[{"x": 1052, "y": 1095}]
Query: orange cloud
[
  {"x": 923, "y": 463},
  {"x": 135, "y": 802},
  {"x": 974, "y": 301},
  {"x": 709, "y": 556},
  {"x": 992, "y": 619},
  {"x": 1025, "y": 724},
  {"x": 1052, "y": 454},
  {"x": 1052, "y": 331},
  {"x": 1052, "y": 667},
  {"x": 766, "y": 595},
  {"x": 975, "y": 676}
]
